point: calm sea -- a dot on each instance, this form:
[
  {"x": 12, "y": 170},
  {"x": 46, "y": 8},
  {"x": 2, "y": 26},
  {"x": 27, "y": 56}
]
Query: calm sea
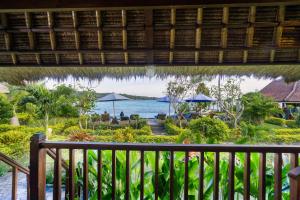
[{"x": 145, "y": 108}]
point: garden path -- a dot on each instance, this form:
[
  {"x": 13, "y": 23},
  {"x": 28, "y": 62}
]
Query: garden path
[
  {"x": 5, "y": 187},
  {"x": 157, "y": 128}
]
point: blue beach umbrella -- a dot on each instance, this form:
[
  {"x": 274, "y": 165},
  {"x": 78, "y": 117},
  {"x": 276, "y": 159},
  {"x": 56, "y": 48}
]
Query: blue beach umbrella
[
  {"x": 113, "y": 97},
  {"x": 201, "y": 98}
]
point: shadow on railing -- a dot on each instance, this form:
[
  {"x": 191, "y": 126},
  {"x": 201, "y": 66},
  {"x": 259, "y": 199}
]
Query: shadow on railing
[
  {"x": 165, "y": 172},
  {"x": 16, "y": 168}
]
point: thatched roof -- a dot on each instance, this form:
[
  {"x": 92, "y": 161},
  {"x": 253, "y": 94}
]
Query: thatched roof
[
  {"x": 96, "y": 33},
  {"x": 282, "y": 91}
]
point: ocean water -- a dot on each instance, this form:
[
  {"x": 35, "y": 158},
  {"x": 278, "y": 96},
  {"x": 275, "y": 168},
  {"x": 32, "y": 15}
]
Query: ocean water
[{"x": 145, "y": 108}]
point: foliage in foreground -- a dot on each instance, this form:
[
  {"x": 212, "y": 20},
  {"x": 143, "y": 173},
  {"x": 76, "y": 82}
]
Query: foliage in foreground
[{"x": 164, "y": 175}]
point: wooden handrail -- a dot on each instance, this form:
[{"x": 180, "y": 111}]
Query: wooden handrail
[
  {"x": 13, "y": 164},
  {"x": 40, "y": 147}
]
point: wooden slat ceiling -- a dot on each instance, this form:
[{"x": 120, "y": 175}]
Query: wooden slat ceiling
[{"x": 179, "y": 35}]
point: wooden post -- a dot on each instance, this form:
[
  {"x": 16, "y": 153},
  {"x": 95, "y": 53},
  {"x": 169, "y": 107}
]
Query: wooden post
[
  {"x": 37, "y": 168},
  {"x": 294, "y": 175}
]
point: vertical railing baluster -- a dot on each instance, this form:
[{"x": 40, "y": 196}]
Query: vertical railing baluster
[
  {"x": 278, "y": 176},
  {"x": 57, "y": 176},
  {"x": 156, "y": 174},
  {"x": 71, "y": 174},
  {"x": 294, "y": 177},
  {"x": 294, "y": 160},
  {"x": 127, "y": 192},
  {"x": 171, "y": 175},
  {"x": 216, "y": 176},
  {"x": 231, "y": 176},
  {"x": 247, "y": 176},
  {"x": 28, "y": 187},
  {"x": 186, "y": 176},
  {"x": 14, "y": 191},
  {"x": 262, "y": 177},
  {"x": 142, "y": 176},
  {"x": 99, "y": 165},
  {"x": 85, "y": 174},
  {"x": 113, "y": 160},
  {"x": 201, "y": 176}
]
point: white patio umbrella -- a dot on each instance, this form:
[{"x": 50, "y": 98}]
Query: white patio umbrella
[{"x": 113, "y": 97}]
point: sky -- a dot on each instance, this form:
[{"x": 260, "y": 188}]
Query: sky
[{"x": 152, "y": 87}]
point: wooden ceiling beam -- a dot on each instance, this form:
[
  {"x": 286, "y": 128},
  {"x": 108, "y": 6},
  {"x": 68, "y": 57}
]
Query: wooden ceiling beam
[
  {"x": 100, "y": 34},
  {"x": 7, "y": 38},
  {"x": 198, "y": 33},
  {"x": 149, "y": 34},
  {"x": 124, "y": 35},
  {"x": 279, "y": 28},
  {"x": 52, "y": 36},
  {"x": 28, "y": 22},
  {"x": 134, "y": 50},
  {"x": 249, "y": 32},
  {"x": 77, "y": 36},
  {"x": 104, "y": 4},
  {"x": 172, "y": 35},
  {"x": 224, "y": 32}
]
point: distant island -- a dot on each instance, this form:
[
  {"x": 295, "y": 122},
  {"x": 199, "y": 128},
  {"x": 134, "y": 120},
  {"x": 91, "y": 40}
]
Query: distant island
[{"x": 134, "y": 97}]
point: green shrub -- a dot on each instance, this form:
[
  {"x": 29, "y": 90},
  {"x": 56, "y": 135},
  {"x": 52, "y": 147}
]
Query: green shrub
[
  {"x": 187, "y": 137},
  {"x": 291, "y": 123},
  {"x": 214, "y": 130},
  {"x": 124, "y": 135},
  {"x": 25, "y": 118},
  {"x": 146, "y": 130},
  {"x": 172, "y": 129},
  {"x": 138, "y": 123},
  {"x": 134, "y": 117},
  {"x": 285, "y": 139},
  {"x": 7, "y": 127},
  {"x": 104, "y": 132},
  {"x": 72, "y": 130},
  {"x": 275, "y": 121},
  {"x": 58, "y": 128},
  {"x": 6, "y": 109},
  {"x": 14, "y": 143},
  {"x": 157, "y": 139},
  {"x": 287, "y": 131}
]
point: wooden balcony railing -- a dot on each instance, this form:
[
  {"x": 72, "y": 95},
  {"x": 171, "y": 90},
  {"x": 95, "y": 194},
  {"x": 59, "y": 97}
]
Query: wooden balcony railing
[
  {"x": 16, "y": 168},
  {"x": 39, "y": 146}
]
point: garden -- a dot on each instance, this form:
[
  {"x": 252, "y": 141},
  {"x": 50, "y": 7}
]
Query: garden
[{"x": 66, "y": 114}]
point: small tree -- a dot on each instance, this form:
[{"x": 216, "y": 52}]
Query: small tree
[
  {"x": 177, "y": 91},
  {"x": 44, "y": 100},
  {"x": 229, "y": 97},
  {"x": 85, "y": 103},
  {"x": 66, "y": 98},
  {"x": 6, "y": 109},
  {"x": 201, "y": 88},
  {"x": 258, "y": 107}
]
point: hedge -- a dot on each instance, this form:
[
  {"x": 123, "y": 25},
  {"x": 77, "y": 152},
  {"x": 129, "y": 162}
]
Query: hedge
[
  {"x": 286, "y": 139},
  {"x": 275, "y": 121},
  {"x": 291, "y": 124},
  {"x": 287, "y": 131},
  {"x": 143, "y": 139},
  {"x": 172, "y": 129}
]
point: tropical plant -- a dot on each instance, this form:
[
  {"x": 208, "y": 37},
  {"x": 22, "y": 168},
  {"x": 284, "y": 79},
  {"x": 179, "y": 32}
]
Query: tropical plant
[
  {"x": 15, "y": 97},
  {"x": 179, "y": 170},
  {"x": 43, "y": 99},
  {"x": 258, "y": 107},
  {"x": 6, "y": 109}
]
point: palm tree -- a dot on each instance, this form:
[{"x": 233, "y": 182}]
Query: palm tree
[{"x": 44, "y": 100}]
